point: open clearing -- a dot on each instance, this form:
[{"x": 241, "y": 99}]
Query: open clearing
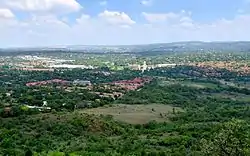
[
  {"x": 136, "y": 114},
  {"x": 232, "y": 96},
  {"x": 189, "y": 84}
]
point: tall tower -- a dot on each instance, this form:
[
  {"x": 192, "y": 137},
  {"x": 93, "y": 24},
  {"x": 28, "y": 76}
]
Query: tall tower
[{"x": 144, "y": 66}]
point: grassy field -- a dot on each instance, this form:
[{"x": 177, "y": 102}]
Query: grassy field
[
  {"x": 188, "y": 83},
  {"x": 199, "y": 84},
  {"x": 136, "y": 114},
  {"x": 232, "y": 96}
]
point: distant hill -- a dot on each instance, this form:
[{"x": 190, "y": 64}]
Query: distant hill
[{"x": 158, "y": 48}]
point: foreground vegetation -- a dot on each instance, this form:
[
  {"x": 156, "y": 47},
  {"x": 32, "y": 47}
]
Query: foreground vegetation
[
  {"x": 77, "y": 134},
  {"x": 205, "y": 127}
]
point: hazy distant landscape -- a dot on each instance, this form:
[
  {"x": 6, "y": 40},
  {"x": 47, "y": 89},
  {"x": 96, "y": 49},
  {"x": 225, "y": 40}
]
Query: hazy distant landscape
[{"x": 150, "y": 49}]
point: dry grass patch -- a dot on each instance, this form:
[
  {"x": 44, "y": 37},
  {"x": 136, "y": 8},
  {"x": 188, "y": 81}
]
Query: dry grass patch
[{"x": 136, "y": 114}]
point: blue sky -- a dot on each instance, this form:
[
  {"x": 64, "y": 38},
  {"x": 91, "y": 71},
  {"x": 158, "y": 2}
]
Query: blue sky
[
  {"x": 64, "y": 22},
  {"x": 203, "y": 10}
]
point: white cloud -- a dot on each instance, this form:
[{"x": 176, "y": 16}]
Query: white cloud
[
  {"x": 173, "y": 20},
  {"x": 6, "y": 13},
  {"x": 43, "y": 6},
  {"x": 83, "y": 17},
  {"x": 117, "y": 18},
  {"x": 159, "y": 17},
  {"x": 103, "y": 3},
  {"x": 114, "y": 27},
  {"x": 183, "y": 16},
  {"x": 147, "y": 2}
]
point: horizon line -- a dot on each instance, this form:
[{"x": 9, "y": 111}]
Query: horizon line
[{"x": 112, "y": 45}]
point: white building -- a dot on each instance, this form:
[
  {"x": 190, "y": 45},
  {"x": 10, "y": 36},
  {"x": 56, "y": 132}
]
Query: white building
[
  {"x": 81, "y": 82},
  {"x": 165, "y": 65},
  {"x": 144, "y": 66},
  {"x": 71, "y": 66}
]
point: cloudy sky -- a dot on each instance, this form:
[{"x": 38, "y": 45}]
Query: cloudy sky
[{"x": 83, "y": 22}]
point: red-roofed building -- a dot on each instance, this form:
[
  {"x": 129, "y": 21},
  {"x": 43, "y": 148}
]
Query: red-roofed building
[
  {"x": 39, "y": 83},
  {"x": 132, "y": 84}
]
